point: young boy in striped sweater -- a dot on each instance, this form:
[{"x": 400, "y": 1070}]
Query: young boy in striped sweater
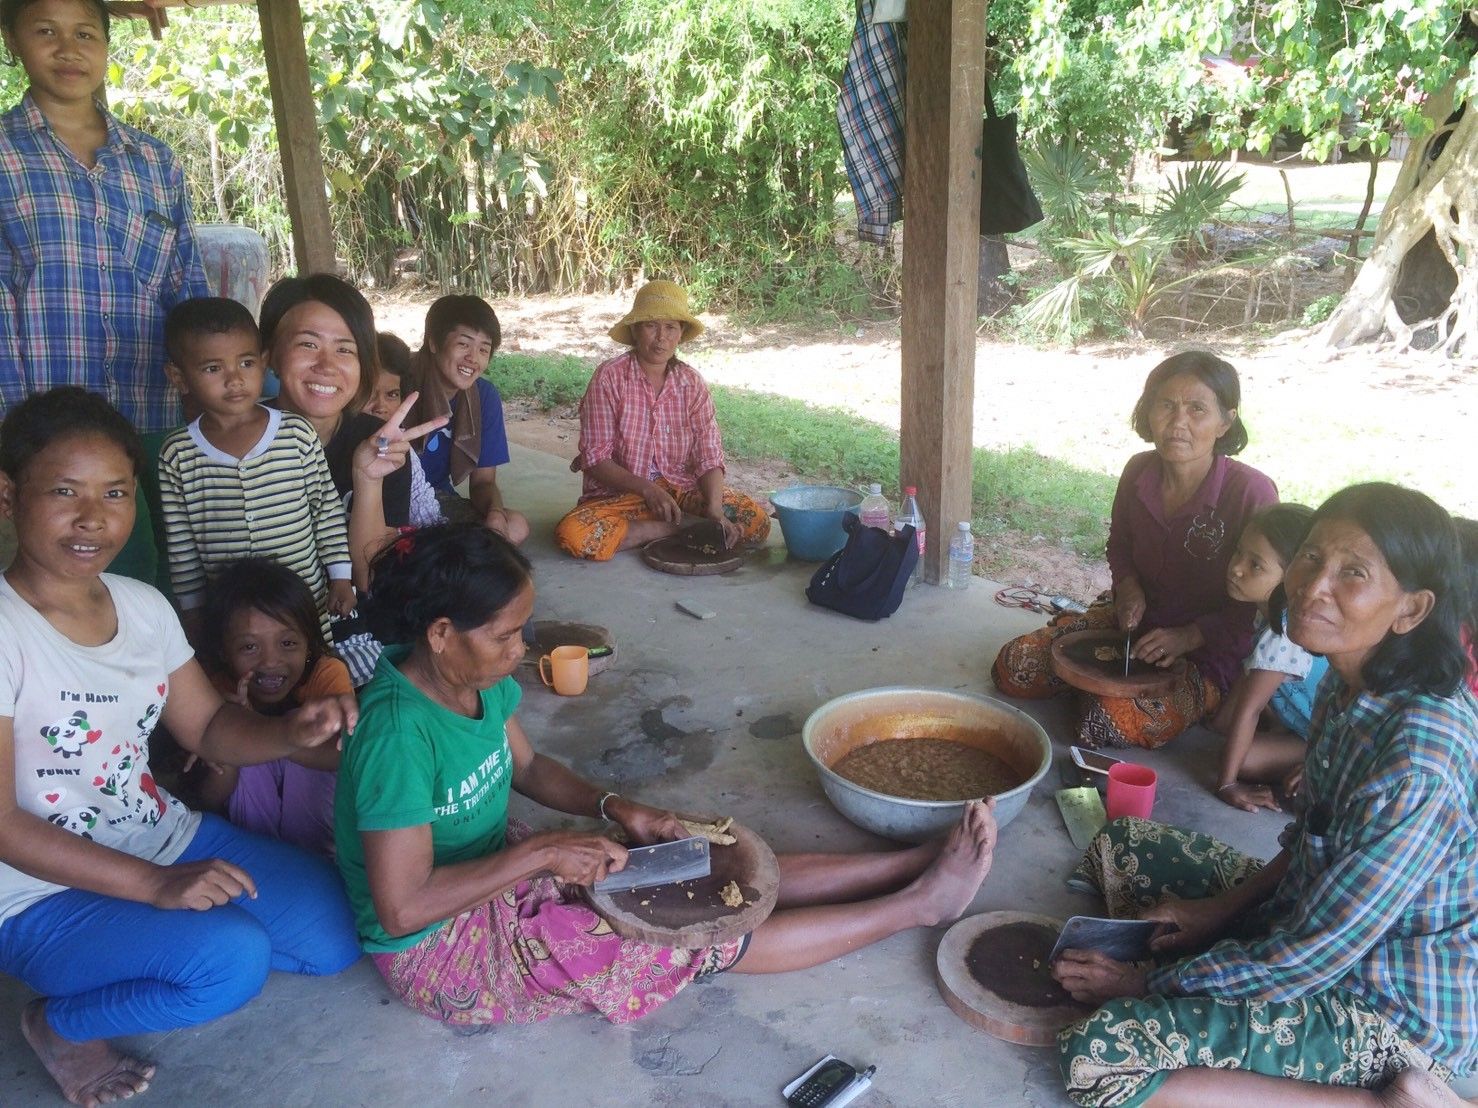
[{"x": 243, "y": 480}]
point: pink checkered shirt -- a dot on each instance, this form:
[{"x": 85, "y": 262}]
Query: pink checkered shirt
[{"x": 672, "y": 435}]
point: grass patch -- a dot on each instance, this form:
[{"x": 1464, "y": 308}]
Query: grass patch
[
  {"x": 1017, "y": 490},
  {"x": 549, "y": 380}
]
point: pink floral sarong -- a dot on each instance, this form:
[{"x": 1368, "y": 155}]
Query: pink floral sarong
[{"x": 534, "y": 952}]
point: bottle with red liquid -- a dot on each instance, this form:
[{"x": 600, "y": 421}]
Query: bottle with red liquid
[{"x": 874, "y": 510}]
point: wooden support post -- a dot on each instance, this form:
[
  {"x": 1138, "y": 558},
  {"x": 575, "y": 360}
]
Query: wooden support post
[
  {"x": 941, "y": 245},
  {"x": 296, "y": 116}
]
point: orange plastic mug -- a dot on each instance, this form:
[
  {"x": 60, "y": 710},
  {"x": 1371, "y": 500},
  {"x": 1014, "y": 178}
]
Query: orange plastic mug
[{"x": 570, "y": 666}]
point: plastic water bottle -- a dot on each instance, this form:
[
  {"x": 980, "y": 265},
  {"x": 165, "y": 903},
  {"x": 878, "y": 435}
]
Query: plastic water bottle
[
  {"x": 910, "y": 514},
  {"x": 961, "y": 556},
  {"x": 875, "y": 510}
]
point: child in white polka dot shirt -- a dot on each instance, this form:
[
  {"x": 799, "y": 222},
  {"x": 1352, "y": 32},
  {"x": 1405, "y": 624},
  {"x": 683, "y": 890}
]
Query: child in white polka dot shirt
[{"x": 1279, "y": 678}]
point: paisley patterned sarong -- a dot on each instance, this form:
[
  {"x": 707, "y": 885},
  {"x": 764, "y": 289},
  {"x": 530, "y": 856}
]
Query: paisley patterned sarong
[
  {"x": 1125, "y": 1050},
  {"x": 536, "y": 951}
]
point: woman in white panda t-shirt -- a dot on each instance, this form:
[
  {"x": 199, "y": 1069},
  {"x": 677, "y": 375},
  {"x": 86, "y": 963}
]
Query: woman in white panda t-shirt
[{"x": 127, "y": 912}]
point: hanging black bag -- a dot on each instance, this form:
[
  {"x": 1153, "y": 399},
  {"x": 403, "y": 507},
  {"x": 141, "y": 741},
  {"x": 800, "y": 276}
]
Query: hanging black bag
[
  {"x": 867, "y": 576},
  {"x": 1007, "y": 202}
]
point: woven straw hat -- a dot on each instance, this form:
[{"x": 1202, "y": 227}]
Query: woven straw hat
[{"x": 658, "y": 300}]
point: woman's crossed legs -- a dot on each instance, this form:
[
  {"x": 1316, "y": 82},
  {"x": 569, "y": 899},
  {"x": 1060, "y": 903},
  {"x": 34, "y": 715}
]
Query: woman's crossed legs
[{"x": 108, "y": 967}]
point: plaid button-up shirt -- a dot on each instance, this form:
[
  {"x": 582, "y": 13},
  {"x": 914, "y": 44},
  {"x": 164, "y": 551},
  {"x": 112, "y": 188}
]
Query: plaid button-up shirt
[
  {"x": 91, "y": 261},
  {"x": 1381, "y": 893},
  {"x": 672, "y": 434}
]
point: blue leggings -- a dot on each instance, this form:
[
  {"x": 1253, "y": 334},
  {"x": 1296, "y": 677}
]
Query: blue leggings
[{"x": 112, "y": 967}]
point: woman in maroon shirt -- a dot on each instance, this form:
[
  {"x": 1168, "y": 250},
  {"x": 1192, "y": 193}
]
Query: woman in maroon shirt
[{"x": 1177, "y": 514}]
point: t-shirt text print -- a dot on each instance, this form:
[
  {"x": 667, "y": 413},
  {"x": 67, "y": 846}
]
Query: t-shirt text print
[{"x": 462, "y": 800}]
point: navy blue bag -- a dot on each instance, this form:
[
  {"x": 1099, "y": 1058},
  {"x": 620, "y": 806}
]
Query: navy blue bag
[{"x": 867, "y": 576}]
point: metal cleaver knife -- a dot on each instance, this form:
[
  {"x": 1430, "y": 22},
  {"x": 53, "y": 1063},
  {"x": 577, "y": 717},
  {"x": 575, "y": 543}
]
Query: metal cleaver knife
[{"x": 662, "y": 864}]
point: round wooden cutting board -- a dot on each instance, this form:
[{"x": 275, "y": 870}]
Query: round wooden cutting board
[
  {"x": 669, "y": 555},
  {"x": 549, "y": 633},
  {"x": 992, "y": 972},
  {"x": 665, "y": 915},
  {"x": 1074, "y": 660}
]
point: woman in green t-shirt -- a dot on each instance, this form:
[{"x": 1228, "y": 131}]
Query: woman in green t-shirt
[{"x": 465, "y": 912}]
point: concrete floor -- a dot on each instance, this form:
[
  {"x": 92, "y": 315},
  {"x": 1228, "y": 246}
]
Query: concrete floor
[{"x": 704, "y": 716}]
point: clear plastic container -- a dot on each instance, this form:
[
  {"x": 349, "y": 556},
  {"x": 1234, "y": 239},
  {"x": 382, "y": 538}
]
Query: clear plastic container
[
  {"x": 961, "y": 556},
  {"x": 875, "y": 511},
  {"x": 910, "y": 513}
]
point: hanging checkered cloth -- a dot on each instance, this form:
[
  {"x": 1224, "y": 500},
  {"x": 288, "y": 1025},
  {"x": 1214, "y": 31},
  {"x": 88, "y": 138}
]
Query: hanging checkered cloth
[{"x": 870, "y": 115}]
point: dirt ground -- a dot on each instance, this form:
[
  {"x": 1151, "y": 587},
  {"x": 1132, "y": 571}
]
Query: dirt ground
[{"x": 1318, "y": 421}]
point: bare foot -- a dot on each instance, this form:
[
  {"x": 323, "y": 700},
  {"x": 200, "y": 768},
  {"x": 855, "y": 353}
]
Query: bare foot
[
  {"x": 1418, "y": 1089},
  {"x": 944, "y": 890},
  {"x": 88, "y": 1074}
]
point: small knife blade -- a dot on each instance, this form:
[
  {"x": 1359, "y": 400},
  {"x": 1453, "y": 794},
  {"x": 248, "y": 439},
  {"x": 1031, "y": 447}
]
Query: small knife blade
[
  {"x": 1127, "y": 642},
  {"x": 662, "y": 864}
]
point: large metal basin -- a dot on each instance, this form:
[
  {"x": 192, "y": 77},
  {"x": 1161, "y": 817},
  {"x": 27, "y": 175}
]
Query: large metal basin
[{"x": 841, "y": 725}]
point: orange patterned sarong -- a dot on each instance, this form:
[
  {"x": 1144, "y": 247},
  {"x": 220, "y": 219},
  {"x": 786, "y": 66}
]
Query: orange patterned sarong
[
  {"x": 1023, "y": 669},
  {"x": 594, "y": 529}
]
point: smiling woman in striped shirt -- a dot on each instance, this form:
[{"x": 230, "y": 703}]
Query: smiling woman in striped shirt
[
  {"x": 1350, "y": 959},
  {"x": 650, "y": 448}
]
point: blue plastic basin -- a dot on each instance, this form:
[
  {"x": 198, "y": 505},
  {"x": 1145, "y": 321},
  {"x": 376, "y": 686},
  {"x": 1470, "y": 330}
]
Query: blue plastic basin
[{"x": 811, "y": 519}]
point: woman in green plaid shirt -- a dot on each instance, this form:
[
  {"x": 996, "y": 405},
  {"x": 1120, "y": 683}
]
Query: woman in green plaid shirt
[{"x": 1350, "y": 959}]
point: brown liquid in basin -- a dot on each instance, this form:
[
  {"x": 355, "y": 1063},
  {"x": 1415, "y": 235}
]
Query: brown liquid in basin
[{"x": 927, "y": 769}]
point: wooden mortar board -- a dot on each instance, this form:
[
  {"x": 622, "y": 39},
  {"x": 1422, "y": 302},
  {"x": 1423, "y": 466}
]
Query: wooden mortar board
[
  {"x": 549, "y": 633},
  {"x": 671, "y": 919},
  {"x": 1073, "y": 661},
  {"x": 672, "y": 555},
  {"x": 999, "y": 989}
]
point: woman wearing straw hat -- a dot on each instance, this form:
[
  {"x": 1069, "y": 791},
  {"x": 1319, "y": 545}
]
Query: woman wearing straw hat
[{"x": 650, "y": 449}]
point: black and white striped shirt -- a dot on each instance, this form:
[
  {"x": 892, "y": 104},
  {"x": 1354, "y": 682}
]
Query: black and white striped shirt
[{"x": 277, "y": 502}]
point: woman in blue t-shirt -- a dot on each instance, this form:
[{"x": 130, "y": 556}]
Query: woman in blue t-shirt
[{"x": 462, "y": 333}]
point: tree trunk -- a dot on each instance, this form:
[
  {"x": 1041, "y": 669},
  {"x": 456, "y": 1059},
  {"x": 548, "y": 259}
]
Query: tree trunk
[
  {"x": 217, "y": 176},
  {"x": 1435, "y": 196},
  {"x": 992, "y": 296}
]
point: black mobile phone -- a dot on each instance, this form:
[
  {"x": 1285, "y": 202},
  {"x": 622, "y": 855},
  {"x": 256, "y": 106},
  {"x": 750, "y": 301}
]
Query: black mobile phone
[{"x": 822, "y": 1086}]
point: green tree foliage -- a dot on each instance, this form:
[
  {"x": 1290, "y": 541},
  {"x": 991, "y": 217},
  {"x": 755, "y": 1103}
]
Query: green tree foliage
[
  {"x": 1101, "y": 79},
  {"x": 706, "y": 146},
  {"x": 1060, "y": 64},
  {"x": 417, "y": 129},
  {"x": 1332, "y": 70}
]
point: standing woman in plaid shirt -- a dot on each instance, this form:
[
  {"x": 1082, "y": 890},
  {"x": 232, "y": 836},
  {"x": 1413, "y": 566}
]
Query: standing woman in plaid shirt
[
  {"x": 650, "y": 448},
  {"x": 96, "y": 243},
  {"x": 1350, "y": 959}
]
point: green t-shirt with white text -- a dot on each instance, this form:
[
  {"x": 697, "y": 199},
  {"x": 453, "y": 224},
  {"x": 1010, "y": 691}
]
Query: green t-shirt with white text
[{"x": 411, "y": 762}]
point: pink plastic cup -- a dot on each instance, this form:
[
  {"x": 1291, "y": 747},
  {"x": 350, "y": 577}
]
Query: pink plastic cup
[{"x": 1131, "y": 790}]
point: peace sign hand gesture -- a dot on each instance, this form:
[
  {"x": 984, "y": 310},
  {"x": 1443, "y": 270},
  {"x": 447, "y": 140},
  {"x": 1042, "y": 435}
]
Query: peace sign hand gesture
[{"x": 386, "y": 450}]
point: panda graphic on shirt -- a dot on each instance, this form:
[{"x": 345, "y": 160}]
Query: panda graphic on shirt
[
  {"x": 71, "y": 735},
  {"x": 81, "y": 820},
  {"x": 112, "y": 773}
]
